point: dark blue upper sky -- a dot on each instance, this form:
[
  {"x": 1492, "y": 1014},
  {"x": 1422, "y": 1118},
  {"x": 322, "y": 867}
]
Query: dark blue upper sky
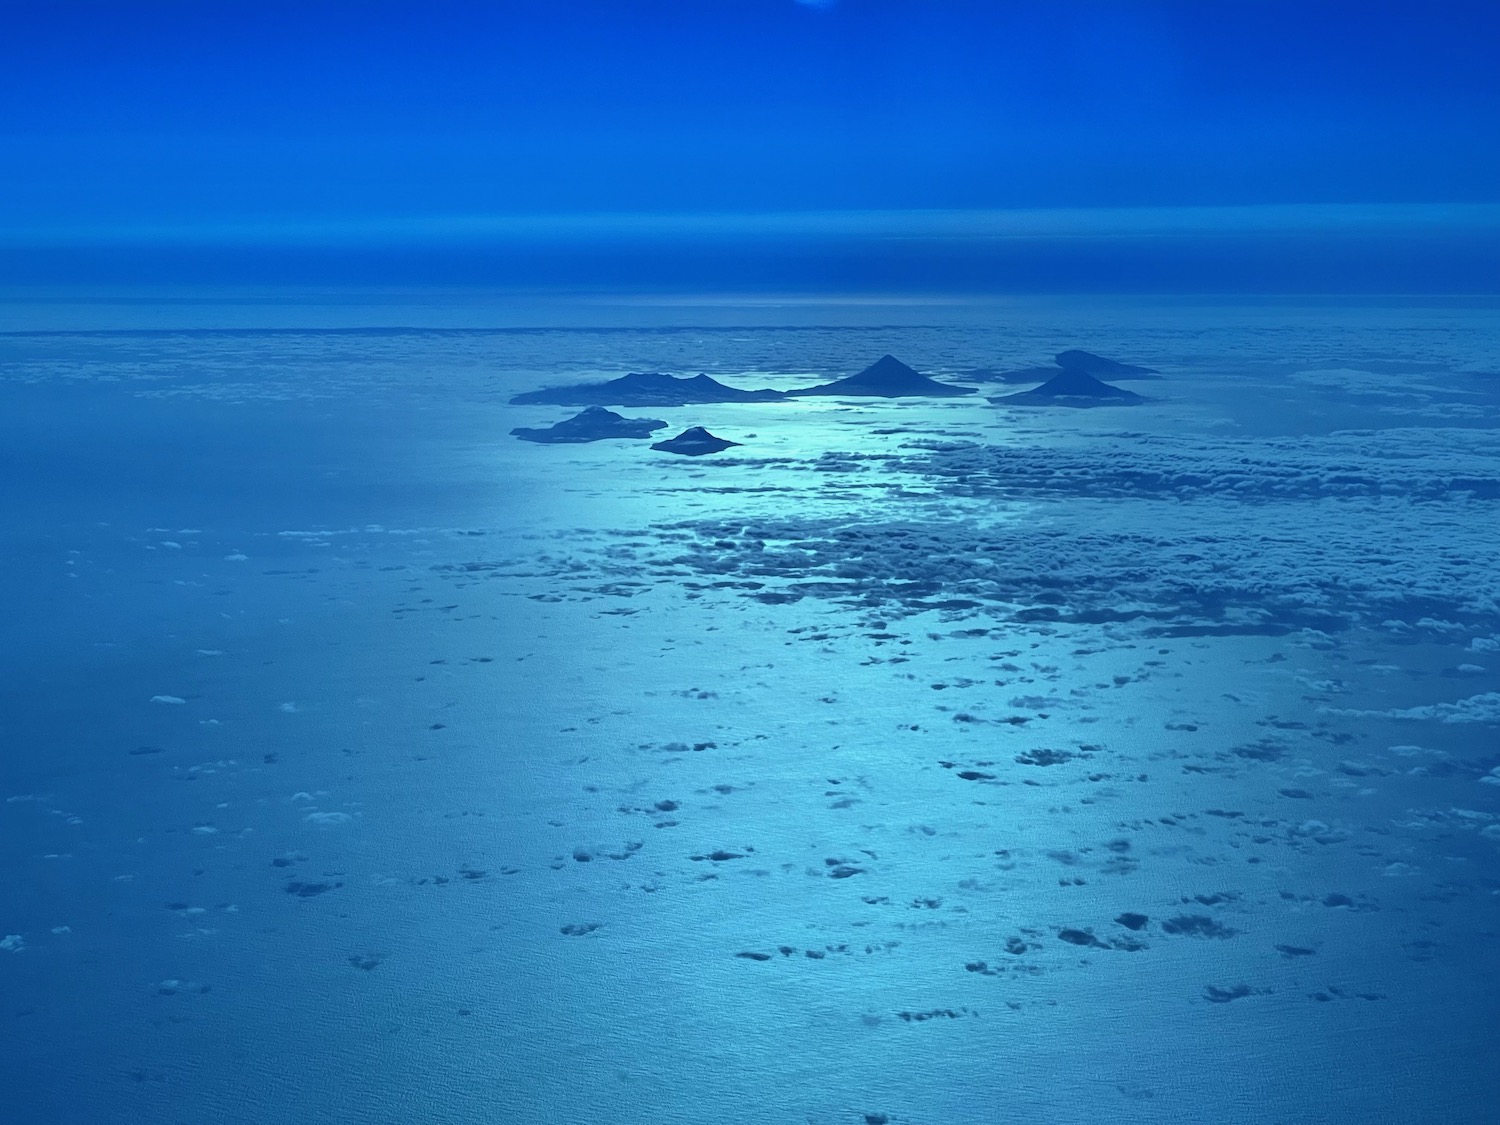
[{"x": 205, "y": 115}]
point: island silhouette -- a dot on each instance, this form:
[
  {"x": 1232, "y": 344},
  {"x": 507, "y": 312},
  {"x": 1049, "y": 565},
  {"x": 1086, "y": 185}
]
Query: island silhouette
[
  {"x": 592, "y": 423},
  {"x": 650, "y": 388},
  {"x": 887, "y": 377}
]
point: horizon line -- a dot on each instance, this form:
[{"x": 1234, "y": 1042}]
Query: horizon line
[{"x": 991, "y": 224}]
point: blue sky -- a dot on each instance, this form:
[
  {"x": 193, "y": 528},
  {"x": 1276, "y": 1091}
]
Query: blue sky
[{"x": 158, "y": 124}]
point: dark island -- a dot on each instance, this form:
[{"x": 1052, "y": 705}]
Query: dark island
[
  {"x": 694, "y": 442},
  {"x": 645, "y": 389},
  {"x": 1101, "y": 368},
  {"x": 593, "y": 423},
  {"x": 1074, "y": 360},
  {"x": 1071, "y": 388},
  {"x": 887, "y": 377}
]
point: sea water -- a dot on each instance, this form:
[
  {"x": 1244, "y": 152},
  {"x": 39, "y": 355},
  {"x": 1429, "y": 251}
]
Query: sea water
[{"x": 920, "y": 760}]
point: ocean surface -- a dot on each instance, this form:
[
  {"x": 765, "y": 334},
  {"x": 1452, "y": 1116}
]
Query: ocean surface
[{"x": 923, "y": 761}]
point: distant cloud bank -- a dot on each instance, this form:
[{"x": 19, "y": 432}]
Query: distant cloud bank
[{"x": 1321, "y": 248}]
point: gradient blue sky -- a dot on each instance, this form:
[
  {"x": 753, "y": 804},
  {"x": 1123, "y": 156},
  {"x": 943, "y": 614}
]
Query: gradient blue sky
[{"x": 167, "y": 125}]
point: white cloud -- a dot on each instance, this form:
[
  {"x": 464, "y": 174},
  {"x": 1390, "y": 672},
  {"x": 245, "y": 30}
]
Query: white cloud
[{"x": 1483, "y": 708}]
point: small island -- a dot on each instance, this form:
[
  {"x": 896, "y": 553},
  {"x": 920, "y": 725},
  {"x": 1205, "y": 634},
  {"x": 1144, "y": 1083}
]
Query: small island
[
  {"x": 887, "y": 377},
  {"x": 593, "y": 423},
  {"x": 1074, "y": 359},
  {"x": 1072, "y": 388},
  {"x": 694, "y": 441},
  {"x": 645, "y": 389}
]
